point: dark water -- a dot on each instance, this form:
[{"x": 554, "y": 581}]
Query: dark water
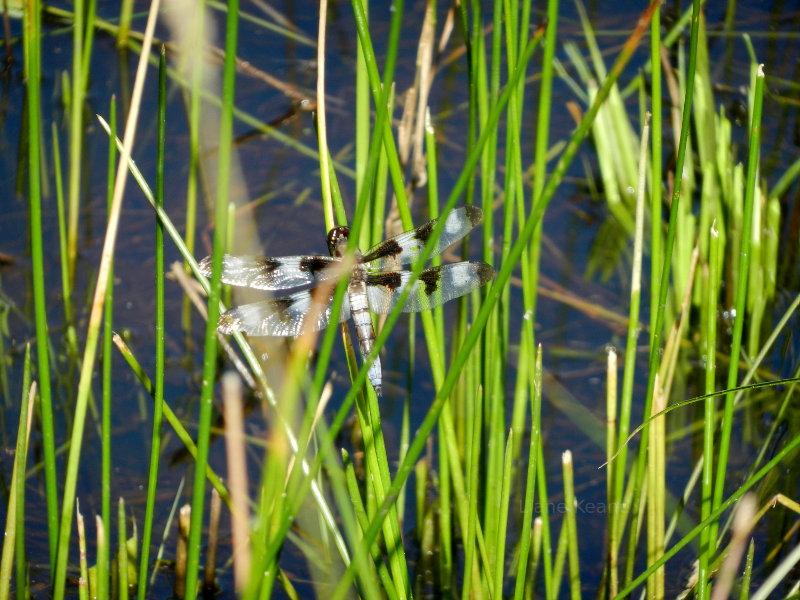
[{"x": 291, "y": 222}]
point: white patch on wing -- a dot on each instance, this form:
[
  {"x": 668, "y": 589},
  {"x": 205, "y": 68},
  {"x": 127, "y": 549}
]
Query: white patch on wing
[
  {"x": 454, "y": 223},
  {"x": 435, "y": 286},
  {"x": 463, "y": 278}
]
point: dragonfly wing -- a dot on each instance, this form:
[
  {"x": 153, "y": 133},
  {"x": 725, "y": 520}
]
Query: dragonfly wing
[
  {"x": 265, "y": 273},
  {"x": 434, "y": 287},
  {"x": 405, "y": 248},
  {"x": 289, "y": 316}
]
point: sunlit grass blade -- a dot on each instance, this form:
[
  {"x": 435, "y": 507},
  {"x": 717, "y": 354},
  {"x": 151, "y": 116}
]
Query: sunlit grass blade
[
  {"x": 571, "y": 525},
  {"x": 612, "y": 498},
  {"x": 102, "y": 574},
  {"x": 710, "y": 335},
  {"x": 123, "y": 570},
  {"x": 210, "y": 343},
  {"x": 21, "y": 457},
  {"x": 103, "y": 550},
  {"x": 14, "y": 531},
  {"x": 32, "y": 48},
  {"x": 368, "y": 579},
  {"x": 741, "y": 291},
  {"x": 656, "y": 486},
  {"x": 76, "y": 97},
  {"x": 527, "y": 557},
  {"x": 616, "y": 522}
]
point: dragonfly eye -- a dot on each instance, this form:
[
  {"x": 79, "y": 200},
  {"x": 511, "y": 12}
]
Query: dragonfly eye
[{"x": 337, "y": 240}]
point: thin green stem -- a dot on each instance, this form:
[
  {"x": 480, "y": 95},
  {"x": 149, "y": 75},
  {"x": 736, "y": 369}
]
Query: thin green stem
[
  {"x": 102, "y": 582},
  {"x": 741, "y": 290},
  {"x": 122, "y": 553},
  {"x": 709, "y": 422},
  {"x": 14, "y": 531},
  {"x": 523, "y": 574},
  {"x": 158, "y": 400},
  {"x": 76, "y": 134},
  {"x": 210, "y": 346},
  {"x": 570, "y": 522},
  {"x": 32, "y": 47}
]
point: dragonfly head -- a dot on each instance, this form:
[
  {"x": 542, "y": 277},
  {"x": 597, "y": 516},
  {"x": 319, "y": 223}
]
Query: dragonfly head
[{"x": 337, "y": 240}]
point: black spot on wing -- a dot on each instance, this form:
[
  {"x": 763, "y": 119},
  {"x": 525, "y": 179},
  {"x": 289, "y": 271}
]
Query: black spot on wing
[
  {"x": 313, "y": 264},
  {"x": 391, "y": 279},
  {"x": 485, "y": 272},
  {"x": 473, "y": 213},
  {"x": 389, "y": 248},
  {"x": 281, "y": 308},
  {"x": 268, "y": 265},
  {"x": 431, "y": 278},
  {"x": 423, "y": 232}
]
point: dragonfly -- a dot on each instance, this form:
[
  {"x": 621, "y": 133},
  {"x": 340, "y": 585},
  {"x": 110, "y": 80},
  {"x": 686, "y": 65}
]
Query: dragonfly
[{"x": 376, "y": 283}]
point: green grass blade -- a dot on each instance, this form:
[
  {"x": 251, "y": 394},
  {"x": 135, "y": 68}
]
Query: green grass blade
[
  {"x": 707, "y": 544},
  {"x": 741, "y": 290},
  {"x": 522, "y": 573},
  {"x": 370, "y": 582},
  {"x": 32, "y": 47},
  {"x": 66, "y": 289},
  {"x": 28, "y": 397},
  {"x": 158, "y": 400},
  {"x": 656, "y": 123},
  {"x": 122, "y": 553},
  {"x": 101, "y": 578},
  {"x": 210, "y": 345},
  {"x": 570, "y": 522},
  {"x": 77, "y": 95},
  {"x": 14, "y": 532},
  {"x": 504, "y": 506}
]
